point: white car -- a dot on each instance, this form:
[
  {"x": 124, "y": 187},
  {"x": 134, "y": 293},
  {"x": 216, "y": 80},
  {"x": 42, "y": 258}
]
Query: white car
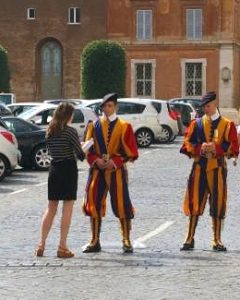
[
  {"x": 140, "y": 113},
  {"x": 186, "y": 114},
  {"x": 20, "y": 107},
  {"x": 168, "y": 119},
  {"x": 9, "y": 153},
  {"x": 42, "y": 115}
]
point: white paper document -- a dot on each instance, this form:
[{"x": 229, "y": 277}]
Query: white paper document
[{"x": 87, "y": 145}]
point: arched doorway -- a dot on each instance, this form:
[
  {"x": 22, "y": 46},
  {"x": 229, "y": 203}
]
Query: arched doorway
[{"x": 50, "y": 70}]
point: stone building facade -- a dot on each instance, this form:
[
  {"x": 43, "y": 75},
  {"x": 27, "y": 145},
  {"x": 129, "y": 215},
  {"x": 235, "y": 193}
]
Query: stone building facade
[
  {"x": 178, "y": 48},
  {"x": 175, "y": 48}
]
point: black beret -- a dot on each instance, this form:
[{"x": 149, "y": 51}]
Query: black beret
[
  {"x": 109, "y": 97},
  {"x": 208, "y": 97}
]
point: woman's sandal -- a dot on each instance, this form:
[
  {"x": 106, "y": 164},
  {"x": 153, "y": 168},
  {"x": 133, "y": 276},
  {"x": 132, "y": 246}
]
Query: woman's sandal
[
  {"x": 64, "y": 253},
  {"x": 39, "y": 251}
]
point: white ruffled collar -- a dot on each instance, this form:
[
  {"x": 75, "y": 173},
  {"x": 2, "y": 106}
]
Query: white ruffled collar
[{"x": 111, "y": 118}]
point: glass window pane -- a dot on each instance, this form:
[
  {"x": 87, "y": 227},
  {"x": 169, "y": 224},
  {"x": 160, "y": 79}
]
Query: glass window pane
[
  {"x": 77, "y": 15},
  {"x": 198, "y": 23},
  {"x": 194, "y": 23},
  {"x": 138, "y": 108},
  {"x": 71, "y": 15},
  {"x": 189, "y": 88},
  {"x": 21, "y": 126},
  {"x": 139, "y": 71},
  {"x": 198, "y": 70},
  {"x": 143, "y": 79},
  {"x": 190, "y": 24},
  {"x": 32, "y": 13},
  {"x": 148, "y": 24},
  {"x": 198, "y": 88},
  {"x": 157, "y": 106},
  {"x": 78, "y": 116},
  {"x": 121, "y": 108},
  {"x": 193, "y": 77},
  {"x": 130, "y": 108},
  {"x": 148, "y": 88},
  {"x": 140, "y": 25},
  {"x": 139, "y": 88},
  {"x": 148, "y": 71},
  {"x": 144, "y": 24}
]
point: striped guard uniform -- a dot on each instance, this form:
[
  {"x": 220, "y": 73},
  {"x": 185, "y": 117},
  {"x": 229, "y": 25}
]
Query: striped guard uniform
[
  {"x": 208, "y": 176},
  {"x": 116, "y": 140}
]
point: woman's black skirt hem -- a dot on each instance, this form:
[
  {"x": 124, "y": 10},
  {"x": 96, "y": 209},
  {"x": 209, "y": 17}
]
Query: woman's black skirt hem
[{"x": 63, "y": 180}]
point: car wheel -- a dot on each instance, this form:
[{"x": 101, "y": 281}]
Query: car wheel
[
  {"x": 3, "y": 167},
  {"x": 166, "y": 135},
  {"x": 41, "y": 158},
  {"x": 144, "y": 137}
]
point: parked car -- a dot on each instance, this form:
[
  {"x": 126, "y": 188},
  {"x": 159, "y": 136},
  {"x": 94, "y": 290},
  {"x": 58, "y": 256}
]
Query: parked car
[
  {"x": 168, "y": 120},
  {"x": 20, "y": 107},
  {"x": 9, "y": 153},
  {"x": 186, "y": 113},
  {"x": 31, "y": 143},
  {"x": 4, "y": 110},
  {"x": 147, "y": 118},
  {"x": 42, "y": 115},
  {"x": 195, "y": 102}
]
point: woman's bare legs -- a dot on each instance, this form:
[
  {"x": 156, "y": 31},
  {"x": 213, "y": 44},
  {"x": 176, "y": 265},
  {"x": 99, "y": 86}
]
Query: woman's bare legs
[
  {"x": 47, "y": 221},
  {"x": 65, "y": 222}
]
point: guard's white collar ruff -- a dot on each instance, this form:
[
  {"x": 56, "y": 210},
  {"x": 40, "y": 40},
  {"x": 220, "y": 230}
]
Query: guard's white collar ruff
[
  {"x": 111, "y": 118},
  {"x": 214, "y": 117}
]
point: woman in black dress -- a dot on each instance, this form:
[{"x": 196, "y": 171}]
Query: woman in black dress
[{"x": 64, "y": 147}]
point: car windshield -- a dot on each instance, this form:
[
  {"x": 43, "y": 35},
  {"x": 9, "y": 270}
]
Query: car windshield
[
  {"x": 29, "y": 113},
  {"x": 18, "y": 125}
]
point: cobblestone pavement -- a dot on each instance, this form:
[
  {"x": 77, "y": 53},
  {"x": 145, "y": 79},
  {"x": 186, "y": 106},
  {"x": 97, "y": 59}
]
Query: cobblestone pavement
[{"x": 156, "y": 270}]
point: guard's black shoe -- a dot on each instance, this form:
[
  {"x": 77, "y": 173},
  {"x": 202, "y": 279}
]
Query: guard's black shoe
[
  {"x": 187, "y": 246},
  {"x": 92, "y": 248},
  {"x": 127, "y": 247},
  {"x": 219, "y": 248}
]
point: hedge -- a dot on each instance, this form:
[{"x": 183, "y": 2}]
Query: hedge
[{"x": 103, "y": 69}]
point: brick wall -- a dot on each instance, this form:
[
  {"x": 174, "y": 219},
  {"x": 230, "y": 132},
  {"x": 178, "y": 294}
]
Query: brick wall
[{"x": 22, "y": 39}]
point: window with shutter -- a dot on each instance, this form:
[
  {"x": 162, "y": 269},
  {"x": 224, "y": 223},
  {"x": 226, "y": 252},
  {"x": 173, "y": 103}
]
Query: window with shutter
[
  {"x": 144, "y": 24},
  {"x": 194, "y": 23}
]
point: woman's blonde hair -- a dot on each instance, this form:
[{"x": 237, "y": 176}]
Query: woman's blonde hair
[{"x": 61, "y": 117}]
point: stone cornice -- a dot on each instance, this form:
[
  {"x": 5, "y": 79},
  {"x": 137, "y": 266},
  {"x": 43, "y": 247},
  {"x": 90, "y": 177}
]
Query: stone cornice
[
  {"x": 173, "y": 42},
  {"x": 185, "y": 44}
]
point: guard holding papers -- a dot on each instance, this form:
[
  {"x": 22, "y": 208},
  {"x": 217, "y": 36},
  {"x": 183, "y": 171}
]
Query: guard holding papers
[{"x": 209, "y": 140}]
